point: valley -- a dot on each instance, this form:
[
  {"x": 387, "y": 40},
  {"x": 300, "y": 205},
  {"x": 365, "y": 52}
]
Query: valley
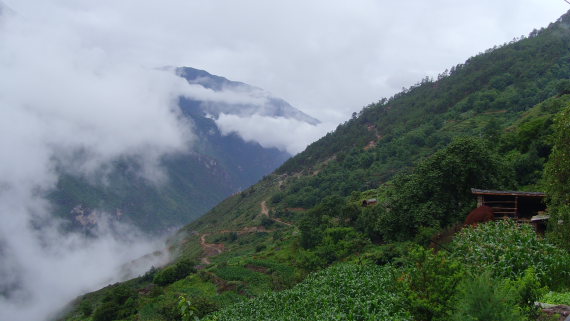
[{"x": 300, "y": 245}]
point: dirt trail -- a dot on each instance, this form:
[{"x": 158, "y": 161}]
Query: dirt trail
[
  {"x": 246, "y": 230},
  {"x": 265, "y": 212},
  {"x": 282, "y": 222},
  {"x": 210, "y": 249},
  {"x": 264, "y": 209},
  {"x": 213, "y": 249}
]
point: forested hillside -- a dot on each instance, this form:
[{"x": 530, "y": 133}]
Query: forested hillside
[{"x": 495, "y": 122}]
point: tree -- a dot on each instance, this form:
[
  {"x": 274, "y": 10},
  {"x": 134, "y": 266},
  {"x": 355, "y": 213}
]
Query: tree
[
  {"x": 174, "y": 272},
  {"x": 437, "y": 192},
  {"x": 557, "y": 178}
]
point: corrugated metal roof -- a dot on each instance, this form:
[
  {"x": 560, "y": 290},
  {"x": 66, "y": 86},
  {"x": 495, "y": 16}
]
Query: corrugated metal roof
[
  {"x": 512, "y": 193},
  {"x": 539, "y": 218}
]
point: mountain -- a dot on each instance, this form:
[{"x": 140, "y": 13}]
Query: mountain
[
  {"x": 486, "y": 123},
  {"x": 271, "y": 106},
  {"x": 215, "y": 166}
]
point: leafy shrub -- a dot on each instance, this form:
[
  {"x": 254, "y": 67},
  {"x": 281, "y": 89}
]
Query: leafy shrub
[
  {"x": 277, "y": 197},
  {"x": 316, "y": 220},
  {"x": 556, "y": 298},
  {"x": 187, "y": 310},
  {"x": 169, "y": 309},
  {"x": 391, "y": 253},
  {"x": 204, "y": 305},
  {"x": 149, "y": 275},
  {"x": 174, "y": 272},
  {"x": 106, "y": 312},
  {"x": 266, "y": 222},
  {"x": 524, "y": 292},
  {"x": 119, "y": 303},
  {"x": 481, "y": 298},
  {"x": 232, "y": 237},
  {"x": 431, "y": 280},
  {"x": 336, "y": 244},
  {"x": 85, "y": 308},
  {"x": 239, "y": 273},
  {"x": 508, "y": 249},
  {"x": 341, "y": 292}
]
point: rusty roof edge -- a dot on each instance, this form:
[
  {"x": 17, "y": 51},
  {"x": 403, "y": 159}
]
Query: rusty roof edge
[{"x": 512, "y": 193}]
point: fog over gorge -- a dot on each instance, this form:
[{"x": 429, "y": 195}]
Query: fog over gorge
[
  {"x": 83, "y": 85},
  {"x": 61, "y": 96},
  {"x": 71, "y": 102}
]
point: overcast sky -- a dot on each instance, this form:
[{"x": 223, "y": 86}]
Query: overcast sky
[
  {"x": 327, "y": 58},
  {"x": 80, "y": 75}
]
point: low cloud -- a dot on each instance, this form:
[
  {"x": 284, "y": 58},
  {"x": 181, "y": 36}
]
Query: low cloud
[
  {"x": 69, "y": 102},
  {"x": 236, "y": 95},
  {"x": 285, "y": 134}
]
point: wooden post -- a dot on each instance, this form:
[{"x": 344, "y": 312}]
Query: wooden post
[{"x": 516, "y": 207}]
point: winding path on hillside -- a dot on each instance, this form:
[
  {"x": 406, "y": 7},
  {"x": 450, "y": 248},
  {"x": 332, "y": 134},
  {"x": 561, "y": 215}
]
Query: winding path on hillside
[
  {"x": 213, "y": 249},
  {"x": 265, "y": 212},
  {"x": 210, "y": 249},
  {"x": 264, "y": 209}
]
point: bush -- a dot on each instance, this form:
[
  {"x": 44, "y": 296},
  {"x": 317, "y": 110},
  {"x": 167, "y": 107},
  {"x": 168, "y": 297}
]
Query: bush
[
  {"x": 149, "y": 275},
  {"x": 85, "y": 308},
  {"x": 391, "y": 253},
  {"x": 106, "y": 312},
  {"x": 556, "y": 298},
  {"x": 119, "y": 303},
  {"x": 525, "y": 291},
  {"x": 266, "y": 222},
  {"x": 481, "y": 299},
  {"x": 431, "y": 280},
  {"x": 508, "y": 249},
  {"x": 174, "y": 272},
  {"x": 169, "y": 310},
  {"x": 204, "y": 305},
  {"x": 336, "y": 244}
]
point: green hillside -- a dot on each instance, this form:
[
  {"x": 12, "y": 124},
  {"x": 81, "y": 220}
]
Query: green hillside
[{"x": 273, "y": 251}]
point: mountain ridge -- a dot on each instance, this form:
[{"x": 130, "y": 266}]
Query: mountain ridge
[
  {"x": 271, "y": 107},
  {"x": 216, "y": 166}
]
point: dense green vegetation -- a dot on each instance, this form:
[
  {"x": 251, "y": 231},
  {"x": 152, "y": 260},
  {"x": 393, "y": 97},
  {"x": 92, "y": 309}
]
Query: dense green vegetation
[
  {"x": 423, "y": 285},
  {"x": 557, "y": 178},
  {"x": 508, "y": 250},
  {"x": 342, "y": 292},
  {"x": 301, "y": 245}
]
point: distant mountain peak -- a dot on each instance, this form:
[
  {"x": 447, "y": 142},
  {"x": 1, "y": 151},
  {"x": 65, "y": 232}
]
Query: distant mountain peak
[{"x": 269, "y": 105}]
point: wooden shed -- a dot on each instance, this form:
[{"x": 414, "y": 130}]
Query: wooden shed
[
  {"x": 525, "y": 207},
  {"x": 369, "y": 202}
]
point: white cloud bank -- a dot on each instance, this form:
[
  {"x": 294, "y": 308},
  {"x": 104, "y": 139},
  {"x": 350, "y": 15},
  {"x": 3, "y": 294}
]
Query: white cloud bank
[
  {"x": 285, "y": 134},
  {"x": 67, "y": 99},
  {"x": 227, "y": 96}
]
